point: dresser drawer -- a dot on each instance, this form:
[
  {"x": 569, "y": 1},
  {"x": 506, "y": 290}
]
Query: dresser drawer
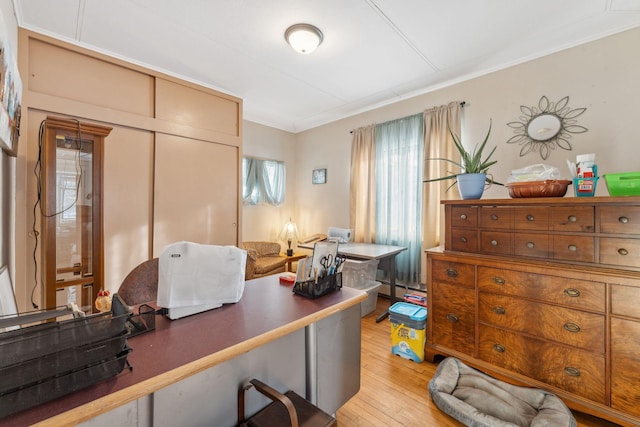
[
  {"x": 573, "y": 248},
  {"x": 574, "y": 293},
  {"x": 464, "y": 239},
  {"x": 496, "y": 218},
  {"x": 573, "y": 370},
  {"x": 625, "y": 301},
  {"x": 495, "y": 242},
  {"x": 620, "y": 251},
  {"x": 452, "y": 317},
  {"x": 574, "y": 218},
  {"x": 559, "y": 324},
  {"x": 456, "y": 273},
  {"x": 531, "y": 245},
  {"x": 464, "y": 216},
  {"x": 619, "y": 219},
  {"x": 625, "y": 365},
  {"x": 531, "y": 218}
]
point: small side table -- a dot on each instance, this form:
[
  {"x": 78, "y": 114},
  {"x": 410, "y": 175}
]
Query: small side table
[{"x": 293, "y": 258}]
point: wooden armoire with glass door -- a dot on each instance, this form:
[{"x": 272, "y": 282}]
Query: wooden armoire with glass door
[{"x": 71, "y": 211}]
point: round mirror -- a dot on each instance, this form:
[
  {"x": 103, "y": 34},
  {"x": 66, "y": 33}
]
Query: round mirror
[
  {"x": 543, "y": 127},
  {"x": 546, "y": 127}
]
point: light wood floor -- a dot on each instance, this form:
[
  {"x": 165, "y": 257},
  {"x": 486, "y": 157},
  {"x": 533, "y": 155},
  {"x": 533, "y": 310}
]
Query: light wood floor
[{"x": 393, "y": 390}]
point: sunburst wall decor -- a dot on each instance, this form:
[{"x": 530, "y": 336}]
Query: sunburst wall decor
[{"x": 546, "y": 127}]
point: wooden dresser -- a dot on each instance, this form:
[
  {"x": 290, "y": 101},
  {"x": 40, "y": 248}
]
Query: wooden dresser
[{"x": 543, "y": 292}]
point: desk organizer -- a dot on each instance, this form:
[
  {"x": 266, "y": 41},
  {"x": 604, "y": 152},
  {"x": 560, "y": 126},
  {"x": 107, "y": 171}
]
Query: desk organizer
[
  {"x": 313, "y": 289},
  {"x": 142, "y": 322},
  {"x": 42, "y": 362}
]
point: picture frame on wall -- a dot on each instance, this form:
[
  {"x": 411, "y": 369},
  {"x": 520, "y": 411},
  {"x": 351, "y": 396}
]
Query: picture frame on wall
[
  {"x": 10, "y": 98},
  {"x": 319, "y": 176}
]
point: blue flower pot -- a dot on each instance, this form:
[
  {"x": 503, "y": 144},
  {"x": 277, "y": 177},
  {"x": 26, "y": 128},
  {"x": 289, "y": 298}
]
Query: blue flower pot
[{"x": 471, "y": 185}]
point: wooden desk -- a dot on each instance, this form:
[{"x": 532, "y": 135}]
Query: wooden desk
[
  {"x": 386, "y": 256},
  {"x": 284, "y": 339}
]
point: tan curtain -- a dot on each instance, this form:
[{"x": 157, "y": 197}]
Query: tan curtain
[
  {"x": 438, "y": 143},
  {"x": 362, "y": 201}
]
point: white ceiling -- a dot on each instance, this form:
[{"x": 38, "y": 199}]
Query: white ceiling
[{"x": 375, "y": 52}]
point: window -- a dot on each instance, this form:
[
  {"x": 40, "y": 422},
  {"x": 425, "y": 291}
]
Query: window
[
  {"x": 263, "y": 181},
  {"x": 398, "y": 175}
]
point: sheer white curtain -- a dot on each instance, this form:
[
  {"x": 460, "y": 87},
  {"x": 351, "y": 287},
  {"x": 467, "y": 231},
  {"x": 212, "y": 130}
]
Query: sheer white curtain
[
  {"x": 438, "y": 143},
  {"x": 263, "y": 181},
  {"x": 398, "y": 180}
]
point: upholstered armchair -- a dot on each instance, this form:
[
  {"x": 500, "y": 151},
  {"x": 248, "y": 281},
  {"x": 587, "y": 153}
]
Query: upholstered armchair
[{"x": 263, "y": 259}]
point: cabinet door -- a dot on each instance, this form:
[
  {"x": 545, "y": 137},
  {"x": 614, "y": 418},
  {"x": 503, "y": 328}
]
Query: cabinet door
[
  {"x": 452, "y": 314},
  {"x": 625, "y": 365},
  {"x": 196, "y": 192}
]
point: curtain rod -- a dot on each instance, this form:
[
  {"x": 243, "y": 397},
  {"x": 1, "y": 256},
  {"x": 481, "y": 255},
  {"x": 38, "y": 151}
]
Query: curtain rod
[{"x": 462, "y": 104}]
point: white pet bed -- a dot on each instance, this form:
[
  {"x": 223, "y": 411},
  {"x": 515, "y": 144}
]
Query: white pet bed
[{"x": 478, "y": 400}]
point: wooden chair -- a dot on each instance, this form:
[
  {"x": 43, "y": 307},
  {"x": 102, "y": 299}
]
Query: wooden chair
[
  {"x": 141, "y": 284},
  {"x": 287, "y": 409}
]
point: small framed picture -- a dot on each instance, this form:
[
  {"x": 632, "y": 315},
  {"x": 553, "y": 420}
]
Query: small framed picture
[{"x": 319, "y": 176}]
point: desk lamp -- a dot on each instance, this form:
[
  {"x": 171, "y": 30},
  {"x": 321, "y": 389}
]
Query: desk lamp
[{"x": 289, "y": 233}]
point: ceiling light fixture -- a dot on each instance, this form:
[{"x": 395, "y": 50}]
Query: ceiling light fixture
[{"x": 303, "y": 38}]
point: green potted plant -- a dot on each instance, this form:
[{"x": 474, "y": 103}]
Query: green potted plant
[{"x": 471, "y": 181}]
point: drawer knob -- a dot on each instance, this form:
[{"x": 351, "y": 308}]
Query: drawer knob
[
  {"x": 463, "y": 239},
  {"x": 463, "y": 216},
  {"x": 452, "y": 318},
  {"x": 572, "y": 292},
  {"x": 499, "y": 348},
  {"x": 530, "y": 218},
  {"x": 499, "y": 280},
  {"x": 574, "y": 372},
  {"x": 494, "y": 243},
  {"x": 623, "y": 220},
  {"x": 494, "y": 217},
  {"x": 572, "y": 218},
  {"x": 572, "y": 248},
  {"x": 452, "y": 273},
  {"x": 531, "y": 245},
  {"x": 499, "y": 310},
  {"x": 623, "y": 251},
  {"x": 571, "y": 327}
]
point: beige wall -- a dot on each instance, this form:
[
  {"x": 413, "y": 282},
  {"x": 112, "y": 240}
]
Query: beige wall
[
  {"x": 163, "y": 144},
  {"x": 601, "y": 76},
  {"x": 265, "y": 222}
]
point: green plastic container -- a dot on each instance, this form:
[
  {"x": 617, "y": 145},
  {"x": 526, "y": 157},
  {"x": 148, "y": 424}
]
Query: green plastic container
[{"x": 623, "y": 184}]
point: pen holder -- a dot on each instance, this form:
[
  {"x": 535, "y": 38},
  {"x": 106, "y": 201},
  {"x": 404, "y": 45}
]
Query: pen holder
[{"x": 325, "y": 285}]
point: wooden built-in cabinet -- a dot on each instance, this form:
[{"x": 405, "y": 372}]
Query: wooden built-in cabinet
[
  {"x": 544, "y": 293},
  {"x": 171, "y": 165}
]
